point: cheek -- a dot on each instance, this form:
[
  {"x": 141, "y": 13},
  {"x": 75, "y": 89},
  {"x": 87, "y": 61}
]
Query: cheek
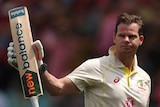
[
  {"x": 117, "y": 41},
  {"x": 137, "y": 43}
]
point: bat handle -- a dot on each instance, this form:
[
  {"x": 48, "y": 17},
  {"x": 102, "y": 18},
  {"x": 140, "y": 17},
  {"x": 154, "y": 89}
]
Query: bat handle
[{"x": 34, "y": 101}]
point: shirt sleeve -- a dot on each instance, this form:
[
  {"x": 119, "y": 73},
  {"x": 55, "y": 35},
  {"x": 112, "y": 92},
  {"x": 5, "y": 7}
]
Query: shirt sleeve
[{"x": 86, "y": 75}]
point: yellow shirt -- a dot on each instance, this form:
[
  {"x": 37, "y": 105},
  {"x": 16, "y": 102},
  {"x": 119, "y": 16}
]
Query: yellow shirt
[{"x": 106, "y": 82}]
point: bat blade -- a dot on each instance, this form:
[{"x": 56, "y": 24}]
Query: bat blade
[{"x": 26, "y": 59}]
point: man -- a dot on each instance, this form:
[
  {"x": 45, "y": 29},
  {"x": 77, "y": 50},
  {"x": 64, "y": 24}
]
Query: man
[{"x": 115, "y": 80}]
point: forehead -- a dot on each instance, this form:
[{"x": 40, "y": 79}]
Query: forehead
[{"x": 133, "y": 27}]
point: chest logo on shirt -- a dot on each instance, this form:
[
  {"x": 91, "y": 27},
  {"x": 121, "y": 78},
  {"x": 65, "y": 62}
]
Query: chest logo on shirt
[
  {"x": 116, "y": 80},
  {"x": 141, "y": 85}
]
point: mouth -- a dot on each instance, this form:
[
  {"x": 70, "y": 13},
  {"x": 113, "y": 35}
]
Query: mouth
[{"x": 127, "y": 47}]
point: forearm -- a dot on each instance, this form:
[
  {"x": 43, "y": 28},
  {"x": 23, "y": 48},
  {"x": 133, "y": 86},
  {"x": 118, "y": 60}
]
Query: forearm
[{"x": 51, "y": 84}]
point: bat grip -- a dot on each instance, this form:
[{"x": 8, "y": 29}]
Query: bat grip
[{"x": 34, "y": 101}]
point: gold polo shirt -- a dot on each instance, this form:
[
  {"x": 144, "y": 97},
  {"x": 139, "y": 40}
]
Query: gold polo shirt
[{"x": 106, "y": 82}]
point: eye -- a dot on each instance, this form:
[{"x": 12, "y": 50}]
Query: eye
[
  {"x": 121, "y": 35},
  {"x": 132, "y": 36}
]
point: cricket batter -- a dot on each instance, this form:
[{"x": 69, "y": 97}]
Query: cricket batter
[{"x": 115, "y": 80}]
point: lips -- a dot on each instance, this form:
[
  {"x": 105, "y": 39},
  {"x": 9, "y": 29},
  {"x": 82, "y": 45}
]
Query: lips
[{"x": 126, "y": 46}]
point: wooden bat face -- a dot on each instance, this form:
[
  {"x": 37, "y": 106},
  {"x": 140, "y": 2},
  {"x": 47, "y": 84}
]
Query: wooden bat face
[{"x": 27, "y": 63}]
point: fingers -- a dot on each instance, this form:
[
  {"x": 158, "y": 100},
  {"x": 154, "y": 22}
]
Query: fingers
[
  {"x": 12, "y": 56},
  {"x": 11, "y": 44},
  {"x": 11, "y": 53},
  {"x": 11, "y": 47},
  {"x": 11, "y": 50},
  {"x": 12, "y": 60}
]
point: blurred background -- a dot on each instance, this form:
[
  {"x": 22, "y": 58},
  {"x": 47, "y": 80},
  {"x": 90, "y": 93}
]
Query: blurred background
[{"x": 72, "y": 31}]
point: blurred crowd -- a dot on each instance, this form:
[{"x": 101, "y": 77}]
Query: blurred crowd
[{"x": 72, "y": 31}]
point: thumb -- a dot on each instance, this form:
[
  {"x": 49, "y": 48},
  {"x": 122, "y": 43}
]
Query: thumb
[{"x": 38, "y": 49}]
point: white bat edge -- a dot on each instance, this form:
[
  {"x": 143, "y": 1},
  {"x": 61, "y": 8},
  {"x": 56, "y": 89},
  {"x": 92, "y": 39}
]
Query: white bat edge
[{"x": 34, "y": 101}]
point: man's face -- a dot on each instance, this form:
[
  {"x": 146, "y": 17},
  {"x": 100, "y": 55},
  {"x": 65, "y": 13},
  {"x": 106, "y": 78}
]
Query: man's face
[{"x": 127, "y": 38}]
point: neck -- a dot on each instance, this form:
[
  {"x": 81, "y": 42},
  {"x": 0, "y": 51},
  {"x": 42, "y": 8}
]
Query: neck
[{"x": 127, "y": 60}]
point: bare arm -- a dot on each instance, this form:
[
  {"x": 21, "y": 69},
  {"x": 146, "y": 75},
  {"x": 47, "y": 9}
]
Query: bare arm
[{"x": 55, "y": 87}]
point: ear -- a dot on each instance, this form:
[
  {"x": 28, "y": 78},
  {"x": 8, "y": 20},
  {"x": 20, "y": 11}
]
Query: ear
[
  {"x": 141, "y": 38},
  {"x": 114, "y": 38}
]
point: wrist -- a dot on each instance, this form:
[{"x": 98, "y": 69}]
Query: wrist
[{"x": 43, "y": 68}]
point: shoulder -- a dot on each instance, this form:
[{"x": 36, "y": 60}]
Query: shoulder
[
  {"x": 95, "y": 62},
  {"x": 143, "y": 73},
  {"x": 90, "y": 66}
]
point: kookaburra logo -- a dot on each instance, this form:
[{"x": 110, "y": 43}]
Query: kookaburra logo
[{"x": 22, "y": 46}]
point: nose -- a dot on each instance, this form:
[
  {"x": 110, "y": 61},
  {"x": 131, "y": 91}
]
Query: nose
[{"x": 126, "y": 38}]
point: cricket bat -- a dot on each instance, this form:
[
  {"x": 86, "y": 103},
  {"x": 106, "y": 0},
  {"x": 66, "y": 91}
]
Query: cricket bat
[{"x": 26, "y": 59}]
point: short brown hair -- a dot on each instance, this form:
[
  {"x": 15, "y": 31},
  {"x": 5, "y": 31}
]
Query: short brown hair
[{"x": 127, "y": 18}]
